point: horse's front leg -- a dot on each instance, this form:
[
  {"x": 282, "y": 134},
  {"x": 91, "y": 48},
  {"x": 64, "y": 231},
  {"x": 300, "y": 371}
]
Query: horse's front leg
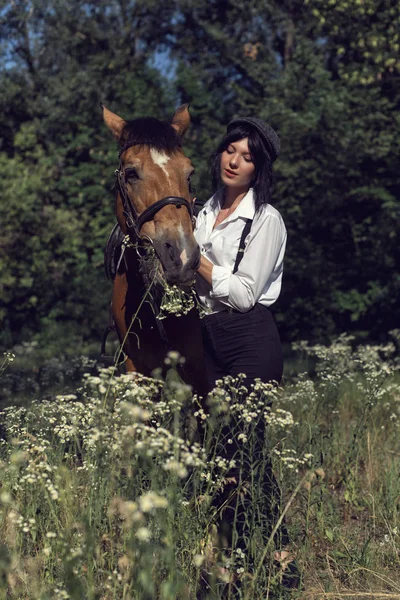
[{"x": 119, "y": 294}]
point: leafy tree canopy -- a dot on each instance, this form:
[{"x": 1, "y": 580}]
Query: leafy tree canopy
[{"x": 324, "y": 74}]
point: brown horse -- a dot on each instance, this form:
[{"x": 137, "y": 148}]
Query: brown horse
[{"x": 155, "y": 213}]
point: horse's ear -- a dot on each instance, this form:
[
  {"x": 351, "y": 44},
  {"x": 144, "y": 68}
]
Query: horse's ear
[
  {"x": 114, "y": 123},
  {"x": 181, "y": 119}
]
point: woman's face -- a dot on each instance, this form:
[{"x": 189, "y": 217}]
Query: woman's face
[{"x": 237, "y": 167}]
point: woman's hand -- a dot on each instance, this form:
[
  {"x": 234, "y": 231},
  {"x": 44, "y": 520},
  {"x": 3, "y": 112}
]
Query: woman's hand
[{"x": 205, "y": 269}]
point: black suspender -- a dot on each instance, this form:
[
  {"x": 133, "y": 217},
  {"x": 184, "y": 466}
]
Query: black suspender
[{"x": 245, "y": 233}]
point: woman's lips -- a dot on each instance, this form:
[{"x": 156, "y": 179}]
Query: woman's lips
[{"x": 230, "y": 173}]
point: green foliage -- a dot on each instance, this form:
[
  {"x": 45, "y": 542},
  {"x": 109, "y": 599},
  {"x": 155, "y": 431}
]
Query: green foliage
[
  {"x": 324, "y": 74},
  {"x": 57, "y": 164},
  {"x": 337, "y": 180},
  {"x": 367, "y": 51}
]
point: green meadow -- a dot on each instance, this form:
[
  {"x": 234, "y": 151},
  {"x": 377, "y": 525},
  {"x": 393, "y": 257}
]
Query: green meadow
[{"x": 110, "y": 492}]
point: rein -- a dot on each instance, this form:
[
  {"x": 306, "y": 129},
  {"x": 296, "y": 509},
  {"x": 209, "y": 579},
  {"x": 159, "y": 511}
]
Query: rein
[{"x": 133, "y": 220}]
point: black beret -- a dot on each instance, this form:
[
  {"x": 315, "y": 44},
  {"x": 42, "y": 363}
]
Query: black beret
[{"x": 268, "y": 135}]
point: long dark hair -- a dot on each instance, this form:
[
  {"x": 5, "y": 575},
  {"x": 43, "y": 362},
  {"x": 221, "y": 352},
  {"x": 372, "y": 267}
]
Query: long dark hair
[{"x": 263, "y": 179}]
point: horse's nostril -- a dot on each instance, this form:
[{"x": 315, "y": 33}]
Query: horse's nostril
[
  {"x": 182, "y": 258},
  {"x": 170, "y": 250}
]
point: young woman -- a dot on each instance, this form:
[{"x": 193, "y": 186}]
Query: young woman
[
  {"x": 238, "y": 285},
  {"x": 242, "y": 240}
]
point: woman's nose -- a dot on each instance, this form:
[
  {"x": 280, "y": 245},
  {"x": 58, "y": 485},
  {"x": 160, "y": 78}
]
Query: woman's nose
[{"x": 233, "y": 161}]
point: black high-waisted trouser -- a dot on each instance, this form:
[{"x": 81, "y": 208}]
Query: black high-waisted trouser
[
  {"x": 247, "y": 343},
  {"x": 236, "y": 342}
]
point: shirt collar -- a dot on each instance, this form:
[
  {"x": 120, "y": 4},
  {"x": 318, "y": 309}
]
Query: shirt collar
[{"x": 245, "y": 210}]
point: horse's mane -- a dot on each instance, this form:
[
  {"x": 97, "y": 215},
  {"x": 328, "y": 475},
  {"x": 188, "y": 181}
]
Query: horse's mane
[{"x": 148, "y": 131}]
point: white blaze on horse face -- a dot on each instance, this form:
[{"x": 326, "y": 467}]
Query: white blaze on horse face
[
  {"x": 160, "y": 159},
  {"x": 183, "y": 255}
]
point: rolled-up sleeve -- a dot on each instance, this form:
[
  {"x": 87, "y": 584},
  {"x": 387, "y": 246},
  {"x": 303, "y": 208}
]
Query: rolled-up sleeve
[{"x": 260, "y": 267}]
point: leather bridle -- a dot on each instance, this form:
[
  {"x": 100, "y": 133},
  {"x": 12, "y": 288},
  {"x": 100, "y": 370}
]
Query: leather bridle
[{"x": 133, "y": 220}]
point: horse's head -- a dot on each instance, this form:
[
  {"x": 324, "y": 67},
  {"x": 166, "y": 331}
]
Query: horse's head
[{"x": 153, "y": 167}]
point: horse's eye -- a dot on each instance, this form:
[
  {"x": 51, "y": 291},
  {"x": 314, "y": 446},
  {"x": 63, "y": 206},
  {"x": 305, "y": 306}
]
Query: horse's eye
[
  {"x": 190, "y": 176},
  {"x": 131, "y": 175}
]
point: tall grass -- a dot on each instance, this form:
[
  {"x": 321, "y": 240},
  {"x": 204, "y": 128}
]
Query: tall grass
[{"x": 115, "y": 491}]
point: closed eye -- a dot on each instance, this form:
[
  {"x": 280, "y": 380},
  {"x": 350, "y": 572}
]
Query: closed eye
[{"x": 190, "y": 176}]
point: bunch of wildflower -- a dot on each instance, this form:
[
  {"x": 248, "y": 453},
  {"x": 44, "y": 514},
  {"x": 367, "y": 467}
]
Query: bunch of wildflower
[
  {"x": 341, "y": 360},
  {"x": 235, "y": 563},
  {"x": 117, "y": 403},
  {"x": 25, "y": 525},
  {"x": 131, "y": 387},
  {"x": 231, "y": 399},
  {"x": 8, "y": 358},
  {"x": 38, "y": 472},
  {"x": 369, "y": 367},
  {"x": 137, "y": 515},
  {"x": 29, "y": 468},
  {"x": 131, "y": 420},
  {"x": 13, "y": 419},
  {"x": 69, "y": 417},
  {"x": 150, "y": 501},
  {"x": 279, "y": 419},
  {"x": 176, "y": 301},
  {"x": 105, "y": 424},
  {"x": 376, "y": 362},
  {"x": 240, "y": 422},
  {"x": 289, "y": 458},
  {"x": 334, "y": 361},
  {"x": 174, "y": 454},
  {"x": 60, "y": 420},
  {"x": 302, "y": 394}
]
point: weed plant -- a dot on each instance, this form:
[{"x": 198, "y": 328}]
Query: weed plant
[{"x": 114, "y": 492}]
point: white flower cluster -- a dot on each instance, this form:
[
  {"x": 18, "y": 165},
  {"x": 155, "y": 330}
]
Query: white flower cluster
[
  {"x": 369, "y": 368},
  {"x": 303, "y": 394},
  {"x": 175, "y": 454},
  {"x": 261, "y": 403},
  {"x": 279, "y": 418},
  {"x": 176, "y": 302},
  {"x": 288, "y": 457},
  {"x": 235, "y": 563},
  {"x": 28, "y": 465},
  {"x": 110, "y": 420},
  {"x": 341, "y": 360},
  {"x": 8, "y": 358},
  {"x": 136, "y": 514}
]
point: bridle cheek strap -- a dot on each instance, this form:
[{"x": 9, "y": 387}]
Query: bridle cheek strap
[
  {"x": 135, "y": 221},
  {"x": 150, "y": 212}
]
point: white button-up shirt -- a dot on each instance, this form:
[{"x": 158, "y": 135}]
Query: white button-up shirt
[{"x": 259, "y": 276}]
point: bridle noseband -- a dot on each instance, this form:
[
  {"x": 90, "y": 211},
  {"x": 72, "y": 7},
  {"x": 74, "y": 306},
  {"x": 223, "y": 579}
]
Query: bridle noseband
[{"x": 135, "y": 221}]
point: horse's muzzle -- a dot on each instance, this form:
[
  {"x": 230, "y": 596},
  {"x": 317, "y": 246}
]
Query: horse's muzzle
[{"x": 180, "y": 262}]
